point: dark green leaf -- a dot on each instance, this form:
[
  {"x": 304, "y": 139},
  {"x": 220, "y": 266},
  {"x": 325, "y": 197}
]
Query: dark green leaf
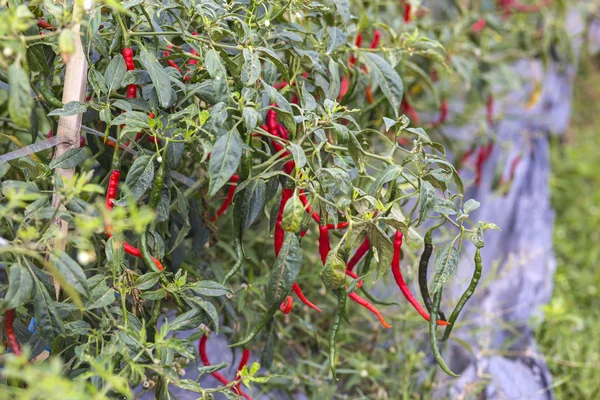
[
  {"x": 19, "y": 288},
  {"x": 224, "y": 160},
  {"x": 383, "y": 248},
  {"x": 210, "y": 288},
  {"x": 285, "y": 271},
  {"x": 141, "y": 176},
  {"x": 69, "y": 159},
  {"x": 20, "y": 100},
  {"x": 160, "y": 77},
  {"x": 446, "y": 262},
  {"x": 115, "y": 72},
  {"x": 388, "y": 80}
]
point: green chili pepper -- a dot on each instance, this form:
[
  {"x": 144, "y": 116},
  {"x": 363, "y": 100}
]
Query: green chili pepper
[
  {"x": 423, "y": 264},
  {"x": 466, "y": 295},
  {"x": 437, "y": 298},
  {"x": 47, "y": 94},
  {"x": 341, "y": 295},
  {"x": 155, "y": 195}
]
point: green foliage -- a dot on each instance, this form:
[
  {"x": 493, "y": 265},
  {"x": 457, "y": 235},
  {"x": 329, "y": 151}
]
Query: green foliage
[{"x": 263, "y": 96}]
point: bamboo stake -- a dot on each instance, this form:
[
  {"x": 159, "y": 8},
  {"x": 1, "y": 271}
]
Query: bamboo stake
[{"x": 75, "y": 85}]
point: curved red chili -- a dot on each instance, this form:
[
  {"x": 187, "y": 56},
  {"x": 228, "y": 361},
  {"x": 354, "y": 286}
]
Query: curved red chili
[
  {"x": 363, "y": 302},
  {"x": 9, "y": 329},
  {"x": 303, "y": 298},
  {"x": 44, "y": 24},
  {"x": 400, "y": 280}
]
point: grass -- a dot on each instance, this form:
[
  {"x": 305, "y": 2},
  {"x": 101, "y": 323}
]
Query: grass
[{"x": 570, "y": 334}]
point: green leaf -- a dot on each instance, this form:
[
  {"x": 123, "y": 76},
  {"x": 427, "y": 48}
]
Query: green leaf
[
  {"x": 147, "y": 280},
  {"x": 382, "y": 245},
  {"x": 71, "y": 270},
  {"x": 293, "y": 213},
  {"x": 251, "y": 118},
  {"x": 101, "y": 295},
  {"x": 48, "y": 321},
  {"x": 210, "y": 288},
  {"x": 298, "y": 154},
  {"x": 140, "y": 176},
  {"x": 253, "y": 202},
  {"x": 388, "y": 80},
  {"x": 217, "y": 73},
  {"x": 285, "y": 271},
  {"x": 97, "y": 81},
  {"x": 343, "y": 9},
  {"x": 160, "y": 78},
  {"x": 224, "y": 160},
  {"x": 69, "y": 159},
  {"x": 444, "y": 206},
  {"x": 333, "y": 274},
  {"x": 471, "y": 205},
  {"x": 251, "y": 67},
  {"x": 446, "y": 262},
  {"x": 427, "y": 200},
  {"x": 19, "y": 289},
  {"x": 208, "y": 308},
  {"x": 20, "y": 100},
  {"x": 71, "y": 108},
  {"x": 209, "y": 369},
  {"x": 389, "y": 174},
  {"x": 272, "y": 56},
  {"x": 115, "y": 72}
]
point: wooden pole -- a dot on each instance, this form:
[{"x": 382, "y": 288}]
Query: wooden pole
[{"x": 75, "y": 86}]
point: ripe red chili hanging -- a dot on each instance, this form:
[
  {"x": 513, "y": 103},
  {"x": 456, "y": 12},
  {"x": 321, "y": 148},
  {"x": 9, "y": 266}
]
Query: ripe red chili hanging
[
  {"x": 127, "y": 53},
  {"x": 9, "y": 319},
  {"x": 324, "y": 243},
  {"x": 363, "y": 302},
  {"x": 113, "y": 185},
  {"x": 400, "y": 280}
]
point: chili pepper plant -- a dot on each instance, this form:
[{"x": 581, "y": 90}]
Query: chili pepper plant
[{"x": 245, "y": 170}]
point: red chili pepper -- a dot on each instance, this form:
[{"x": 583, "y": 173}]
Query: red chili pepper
[
  {"x": 286, "y": 194},
  {"x": 172, "y": 63},
  {"x": 443, "y": 112},
  {"x": 44, "y": 24},
  {"x": 358, "y": 43},
  {"x": 217, "y": 375},
  {"x": 131, "y": 250},
  {"x": 363, "y": 249},
  {"x": 376, "y": 37},
  {"x": 307, "y": 207},
  {"x": 482, "y": 156},
  {"x": 354, "y": 276},
  {"x": 407, "y": 9},
  {"x": 127, "y": 53},
  {"x": 9, "y": 330},
  {"x": 227, "y": 202},
  {"x": 363, "y": 302},
  {"x": 479, "y": 25},
  {"x": 343, "y": 87},
  {"x": 400, "y": 280},
  {"x": 111, "y": 191},
  {"x": 303, "y": 298},
  {"x": 286, "y": 305},
  {"x": 324, "y": 244},
  {"x": 490, "y": 110}
]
